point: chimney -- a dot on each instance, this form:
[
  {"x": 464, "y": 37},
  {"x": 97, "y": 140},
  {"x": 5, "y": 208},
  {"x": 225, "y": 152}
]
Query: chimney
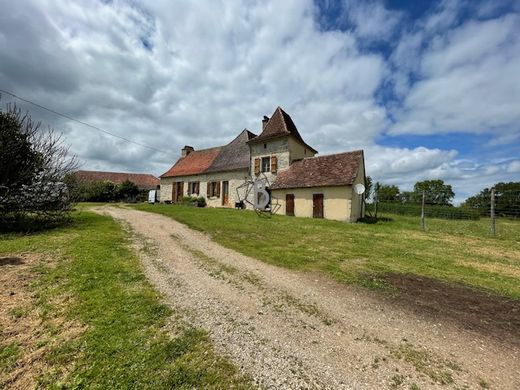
[
  {"x": 264, "y": 122},
  {"x": 187, "y": 150}
]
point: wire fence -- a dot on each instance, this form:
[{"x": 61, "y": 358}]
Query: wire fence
[{"x": 496, "y": 213}]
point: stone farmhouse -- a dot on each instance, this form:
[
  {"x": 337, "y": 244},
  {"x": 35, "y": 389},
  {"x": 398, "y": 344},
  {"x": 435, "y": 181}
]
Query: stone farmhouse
[{"x": 299, "y": 182}]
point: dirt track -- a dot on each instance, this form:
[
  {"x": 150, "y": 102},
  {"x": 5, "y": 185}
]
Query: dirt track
[{"x": 294, "y": 330}]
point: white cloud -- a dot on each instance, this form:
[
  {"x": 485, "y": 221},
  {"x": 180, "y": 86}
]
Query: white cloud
[
  {"x": 514, "y": 167},
  {"x": 468, "y": 80}
]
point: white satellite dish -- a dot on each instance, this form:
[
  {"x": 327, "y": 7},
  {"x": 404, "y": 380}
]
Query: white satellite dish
[{"x": 359, "y": 188}]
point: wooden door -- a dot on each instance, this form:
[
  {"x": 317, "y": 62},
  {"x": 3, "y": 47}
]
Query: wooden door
[
  {"x": 225, "y": 193},
  {"x": 317, "y": 205},
  {"x": 289, "y": 204},
  {"x": 179, "y": 191}
]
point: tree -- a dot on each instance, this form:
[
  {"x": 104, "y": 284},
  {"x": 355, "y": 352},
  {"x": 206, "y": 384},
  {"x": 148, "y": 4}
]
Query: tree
[
  {"x": 437, "y": 193},
  {"x": 368, "y": 187},
  {"x": 33, "y": 163},
  {"x": 387, "y": 193},
  {"x": 128, "y": 190},
  {"x": 507, "y": 199}
]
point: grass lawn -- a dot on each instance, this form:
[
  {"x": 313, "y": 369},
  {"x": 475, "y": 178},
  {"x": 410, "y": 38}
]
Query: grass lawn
[
  {"x": 450, "y": 250},
  {"x": 93, "y": 319}
]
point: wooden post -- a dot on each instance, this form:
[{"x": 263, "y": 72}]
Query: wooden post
[
  {"x": 375, "y": 204},
  {"x": 492, "y": 214},
  {"x": 423, "y": 226}
]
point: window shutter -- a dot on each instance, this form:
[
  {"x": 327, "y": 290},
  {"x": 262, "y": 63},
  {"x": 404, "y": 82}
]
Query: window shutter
[
  {"x": 257, "y": 166},
  {"x": 218, "y": 189},
  {"x": 208, "y": 189},
  {"x": 274, "y": 164},
  {"x": 189, "y": 188},
  {"x": 197, "y": 187}
]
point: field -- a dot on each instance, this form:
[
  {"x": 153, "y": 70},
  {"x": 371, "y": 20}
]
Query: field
[
  {"x": 78, "y": 312},
  {"x": 374, "y": 255}
]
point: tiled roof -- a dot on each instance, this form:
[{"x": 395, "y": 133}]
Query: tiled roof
[
  {"x": 142, "y": 180},
  {"x": 332, "y": 170},
  {"x": 194, "y": 163},
  {"x": 230, "y": 157},
  {"x": 234, "y": 155},
  {"x": 279, "y": 125}
]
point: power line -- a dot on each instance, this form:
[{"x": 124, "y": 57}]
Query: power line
[{"x": 84, "y": 123}]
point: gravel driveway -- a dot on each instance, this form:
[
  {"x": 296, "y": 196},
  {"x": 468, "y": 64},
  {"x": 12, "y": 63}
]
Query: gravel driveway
[{"x": 289, "y": 329}]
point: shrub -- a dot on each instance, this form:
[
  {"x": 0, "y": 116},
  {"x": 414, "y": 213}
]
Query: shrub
[{"x": 201, "y": 201}]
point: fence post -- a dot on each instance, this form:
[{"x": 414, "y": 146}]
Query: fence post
[
  {"x": 423, "y": 226},
  {"x": 492, "y": 214},
  {"x": 375, "y": 204}
]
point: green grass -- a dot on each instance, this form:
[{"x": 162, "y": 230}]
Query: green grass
[
  {"x": 122, "y": 340},
  {"x": 450, "y": 250}
]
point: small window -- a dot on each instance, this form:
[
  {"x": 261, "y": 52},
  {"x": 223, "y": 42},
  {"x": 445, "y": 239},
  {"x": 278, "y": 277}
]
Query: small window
[
  {"x": 193, "y": 188},
  {"x": 265, "y": 146},
  {"x": 213, "y": 189},
  {"x": 266, "y": 164}
]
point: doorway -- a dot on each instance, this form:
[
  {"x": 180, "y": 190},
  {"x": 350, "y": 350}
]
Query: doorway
[
  {"x": 225, "y": 193},
  {"x": 317, "y": 205},
  {"x": 289, "y": 205}
]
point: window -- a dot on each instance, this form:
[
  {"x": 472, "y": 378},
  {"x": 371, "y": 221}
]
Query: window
[
  {"x": 213, "y": 189},
  {"x": 193, "y": 188},
  {"x": 266, "y": 164},
  {"x": 265, "y": 146}
]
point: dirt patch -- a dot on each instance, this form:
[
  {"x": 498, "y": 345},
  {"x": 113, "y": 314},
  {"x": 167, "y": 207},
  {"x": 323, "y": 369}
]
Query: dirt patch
[
  {"x": 11, "y": 261},
  {"x": 26, "y": 340},
  {"x": 468, "y": 308}
]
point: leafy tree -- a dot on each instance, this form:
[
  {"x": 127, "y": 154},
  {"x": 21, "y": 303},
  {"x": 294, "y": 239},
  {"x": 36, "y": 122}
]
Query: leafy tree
[
  {"x": 437, "y": 193},
  {"x": 387, "y": 193},
  {"x": 128, "y": 190},
  {"x": 368, "y": 187},
  {"x": 507, "y": 199},
  {"x": 33, "y": 164},
  {"x": 409, "y": 197}
]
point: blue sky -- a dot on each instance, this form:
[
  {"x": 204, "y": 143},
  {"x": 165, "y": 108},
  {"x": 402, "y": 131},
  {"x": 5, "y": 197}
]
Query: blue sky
[{"x": 428, "y": 89}]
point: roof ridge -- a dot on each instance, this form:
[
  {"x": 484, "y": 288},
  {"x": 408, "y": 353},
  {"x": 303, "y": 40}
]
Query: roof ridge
[
  {"x": 119, "y": 173},
  {"x": 334, "y": 154}
]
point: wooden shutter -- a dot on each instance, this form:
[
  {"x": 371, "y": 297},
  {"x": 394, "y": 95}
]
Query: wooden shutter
[
  {"x": 189, "y": 188},
  {"x": 208, "y": 189},
  {"x": 218, "y": 189},
  {"x": 197, "y": 187},
  {"x": 174, "y": 191},
  {"x": 257, "y": 166},
  {"x": 274, "y": 164}
]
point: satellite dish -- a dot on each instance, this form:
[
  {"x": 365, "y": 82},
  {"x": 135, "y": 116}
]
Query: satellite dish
[{"x": 359, "y": 188}]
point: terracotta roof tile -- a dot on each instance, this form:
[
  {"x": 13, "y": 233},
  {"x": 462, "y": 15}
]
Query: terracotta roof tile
[
  {"x": 332, "y": 170},
  {"x": 279, "y": 125},
  {"x": 194, "y": 163},
  {"x": 142, "y": 180}
]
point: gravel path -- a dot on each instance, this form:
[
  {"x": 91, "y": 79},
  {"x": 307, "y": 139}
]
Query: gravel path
[{"x": 289, "y": 329}]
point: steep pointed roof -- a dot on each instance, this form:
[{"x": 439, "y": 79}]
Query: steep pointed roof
[
  {"x": 280, "y": 125},
  {"x": 234, "y": 155},
  {"x": 331, "y": 170}
]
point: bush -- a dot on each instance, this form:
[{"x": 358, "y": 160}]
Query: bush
[
  {"x": 33, "y": 166},
  {"x": 201, "y": 201},
  {"x": 430, "y": 211}
]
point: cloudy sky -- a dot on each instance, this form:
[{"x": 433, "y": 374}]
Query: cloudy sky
[{"x": 427, "y": 89}]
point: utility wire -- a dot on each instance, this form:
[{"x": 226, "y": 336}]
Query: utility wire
[{"x": 84, "y": 123}]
